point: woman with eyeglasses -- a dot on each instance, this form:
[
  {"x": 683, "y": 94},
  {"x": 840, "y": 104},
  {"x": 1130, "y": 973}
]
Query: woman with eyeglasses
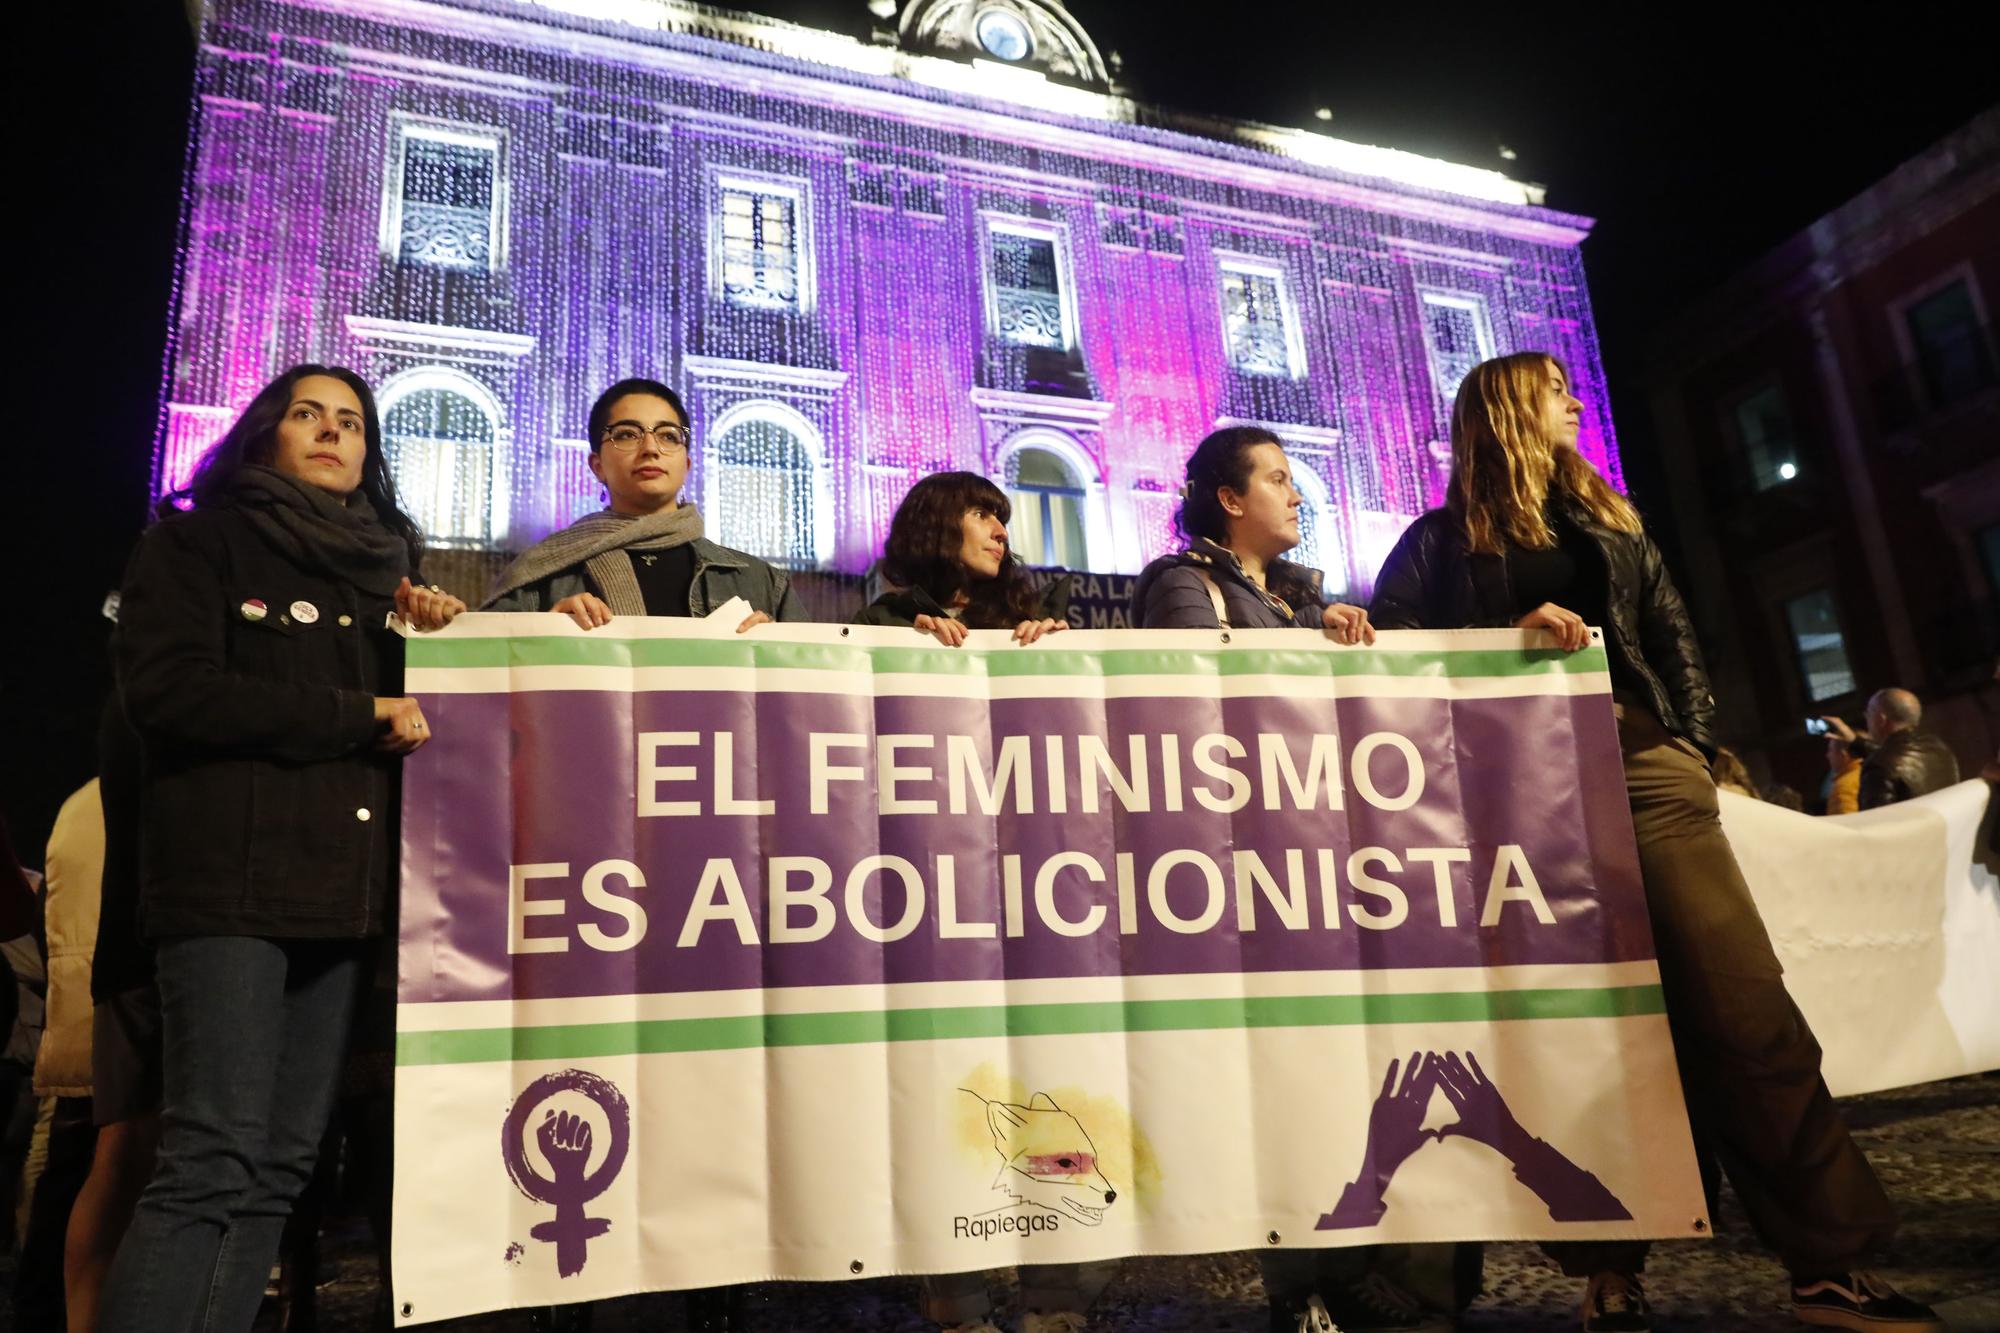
[
  {"x": 254, "y": 664},
  {"x": 643, "y": 554}
]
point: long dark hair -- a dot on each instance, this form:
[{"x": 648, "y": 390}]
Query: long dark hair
[
  {"x": 1223, "y": 459},
  {"x": 924, "y": 540},
  {"x": 254, "y": 436}
]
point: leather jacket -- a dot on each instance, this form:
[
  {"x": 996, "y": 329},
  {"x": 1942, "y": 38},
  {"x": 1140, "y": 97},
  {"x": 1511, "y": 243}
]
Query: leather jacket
[
  {"x": 1909, "y": 763},
  {"x": 1431, "y": 581}
]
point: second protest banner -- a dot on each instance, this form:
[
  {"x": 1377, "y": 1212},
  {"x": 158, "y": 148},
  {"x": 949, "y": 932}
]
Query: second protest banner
[{"x": 820, "y": 952}]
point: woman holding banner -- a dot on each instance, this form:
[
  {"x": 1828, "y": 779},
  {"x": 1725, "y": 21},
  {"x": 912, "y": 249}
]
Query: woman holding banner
[
  {"x": 1532, "y": 537},
  {"x": 1239, "y": 515},
  {"x": 645, "y": 553},
  {"x": 949, "y": 570},
  {"x": 253, "y": 661}
]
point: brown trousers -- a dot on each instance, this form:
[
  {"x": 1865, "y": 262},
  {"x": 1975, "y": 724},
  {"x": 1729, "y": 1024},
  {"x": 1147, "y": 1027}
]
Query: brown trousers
[{"x": 1748, "y": 1061}]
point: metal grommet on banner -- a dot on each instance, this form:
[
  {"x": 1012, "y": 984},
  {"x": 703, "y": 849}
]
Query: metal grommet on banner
[
  {"x": 843, "y": 631},
  {"x": 1700, "y": 1224},
  {"x": 1274, "y": 1238},
  {"x": 408, "y": 1309},
  {"x": 1225, "y": 636},
  {"x": 854, "y": 1267}
]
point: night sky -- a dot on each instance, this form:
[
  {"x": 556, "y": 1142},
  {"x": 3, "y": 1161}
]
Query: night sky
[{"x": 1698, "y": 141}]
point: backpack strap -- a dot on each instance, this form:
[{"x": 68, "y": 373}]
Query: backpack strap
[{"x": 1214, "y": 597}]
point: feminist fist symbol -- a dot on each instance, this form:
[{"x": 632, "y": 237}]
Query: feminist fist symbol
[{"x": 565, "y": 1141}]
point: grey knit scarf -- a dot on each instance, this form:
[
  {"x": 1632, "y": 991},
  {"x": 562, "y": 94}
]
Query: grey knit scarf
[
  {"x": 341, "y": 537},
  {"x": 598, "y": 543}
]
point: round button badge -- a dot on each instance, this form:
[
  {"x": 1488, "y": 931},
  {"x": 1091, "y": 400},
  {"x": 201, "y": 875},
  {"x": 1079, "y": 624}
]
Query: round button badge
[
  {"x": 304, "y": 612},
  {"x": 253, "y": 609}
]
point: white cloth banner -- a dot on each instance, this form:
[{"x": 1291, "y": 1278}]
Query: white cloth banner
[{"x": 1889, "y": 929}]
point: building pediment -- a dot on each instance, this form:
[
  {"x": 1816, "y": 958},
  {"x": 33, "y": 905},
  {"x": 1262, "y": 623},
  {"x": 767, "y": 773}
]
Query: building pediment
[{"x": 1037, "y": 35}]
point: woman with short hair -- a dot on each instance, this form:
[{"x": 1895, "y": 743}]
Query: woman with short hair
[{"x": 646, "y": 552}]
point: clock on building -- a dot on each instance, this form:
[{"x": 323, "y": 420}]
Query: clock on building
[{"x": 1003, "y": 34}]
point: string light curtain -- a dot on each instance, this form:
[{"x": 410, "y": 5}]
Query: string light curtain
[
  {"x": 555, "y": 195},
  {"x": 440, "y": 446}
]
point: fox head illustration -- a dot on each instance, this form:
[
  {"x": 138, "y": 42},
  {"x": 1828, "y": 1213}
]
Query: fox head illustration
[{"x": 1046, "y": 1159}]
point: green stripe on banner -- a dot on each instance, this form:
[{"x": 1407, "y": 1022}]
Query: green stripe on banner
[
  {"x": 671, "y": 1035},
  {"x": 551, "y": 651}
]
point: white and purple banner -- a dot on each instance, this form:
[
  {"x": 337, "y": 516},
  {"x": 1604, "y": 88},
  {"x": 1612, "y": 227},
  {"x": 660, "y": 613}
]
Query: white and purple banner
[{"x": 819, "y": 952}]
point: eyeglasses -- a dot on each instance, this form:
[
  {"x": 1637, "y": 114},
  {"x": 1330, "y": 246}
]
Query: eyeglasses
[{"x": 626, "y": 439}]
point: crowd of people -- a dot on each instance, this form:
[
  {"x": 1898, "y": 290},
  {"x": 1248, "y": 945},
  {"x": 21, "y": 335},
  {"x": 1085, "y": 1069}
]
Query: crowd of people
[{"x": 243, "y": 828}]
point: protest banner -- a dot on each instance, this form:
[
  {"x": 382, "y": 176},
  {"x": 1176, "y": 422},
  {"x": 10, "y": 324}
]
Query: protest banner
[
  {"x": 1888, "y": 925},
  {"x": 819, "y": 952}
]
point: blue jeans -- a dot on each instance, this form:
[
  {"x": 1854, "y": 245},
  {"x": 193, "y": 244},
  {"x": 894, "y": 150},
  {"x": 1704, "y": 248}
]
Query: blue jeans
[{"x": 254, "y": 1031}]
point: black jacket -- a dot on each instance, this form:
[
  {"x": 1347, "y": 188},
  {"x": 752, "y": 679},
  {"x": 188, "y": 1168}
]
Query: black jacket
[
  {"x": 902, "y": 606},
  {"x": 251, "y": 681},
  {"x": 1431, "y": 581},
  {"x": 1909, "y": 763}
]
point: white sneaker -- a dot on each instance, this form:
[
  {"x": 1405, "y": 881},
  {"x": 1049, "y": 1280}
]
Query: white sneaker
[
  {"x": 1315, "y": 1319},
  {"x": 1062, "y": 1321}
]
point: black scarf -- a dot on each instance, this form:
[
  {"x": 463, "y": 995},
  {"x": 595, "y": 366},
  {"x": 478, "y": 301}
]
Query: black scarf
[{"x": 319, "y": 531}]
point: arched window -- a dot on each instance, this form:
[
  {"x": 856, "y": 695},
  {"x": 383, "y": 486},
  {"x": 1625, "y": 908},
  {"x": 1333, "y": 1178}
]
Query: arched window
[
  {"x": 1047, "y": 525},
  {"x": 1307, "y": 553},
  {"x": 765, "y": 492},
  {"x": 441, "y": 445},
  {"x": 1320, "y": 546}
]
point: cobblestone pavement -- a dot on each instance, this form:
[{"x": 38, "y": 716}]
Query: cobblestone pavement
[{"x": 1937, "y": 1147}]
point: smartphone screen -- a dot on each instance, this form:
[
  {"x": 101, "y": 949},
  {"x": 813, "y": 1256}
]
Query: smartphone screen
[{"x": 1815, "y": 726}]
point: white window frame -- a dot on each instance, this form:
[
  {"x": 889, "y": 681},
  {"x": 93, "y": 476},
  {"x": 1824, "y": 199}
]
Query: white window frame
[
  {"x": 1783, "y": 607},
  {"x": 1482, "y": 326},
  {"x": 771, "y": 411},
  {"x": 1733, "y": 424},
  {"x": 1898, "y": 311},
  {"x": 1251, "y": 266},
  {"x": 1096, "y": 515},
  {"x": 805, "y": 270},
  {"x": 450, "y": 379},
  {"x": 1057, "y": 234},
  {"x": 403, "y": 127}
]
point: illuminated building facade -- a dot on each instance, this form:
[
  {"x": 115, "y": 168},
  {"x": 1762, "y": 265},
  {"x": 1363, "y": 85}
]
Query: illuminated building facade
[{"x": 956, "y": 246}]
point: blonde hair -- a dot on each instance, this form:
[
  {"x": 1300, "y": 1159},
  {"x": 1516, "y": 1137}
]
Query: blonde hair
[{"x": 1502, "y": 469}]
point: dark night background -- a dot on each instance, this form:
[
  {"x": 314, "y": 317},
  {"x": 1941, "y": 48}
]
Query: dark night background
[{"x": 1697, "y": 139}]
